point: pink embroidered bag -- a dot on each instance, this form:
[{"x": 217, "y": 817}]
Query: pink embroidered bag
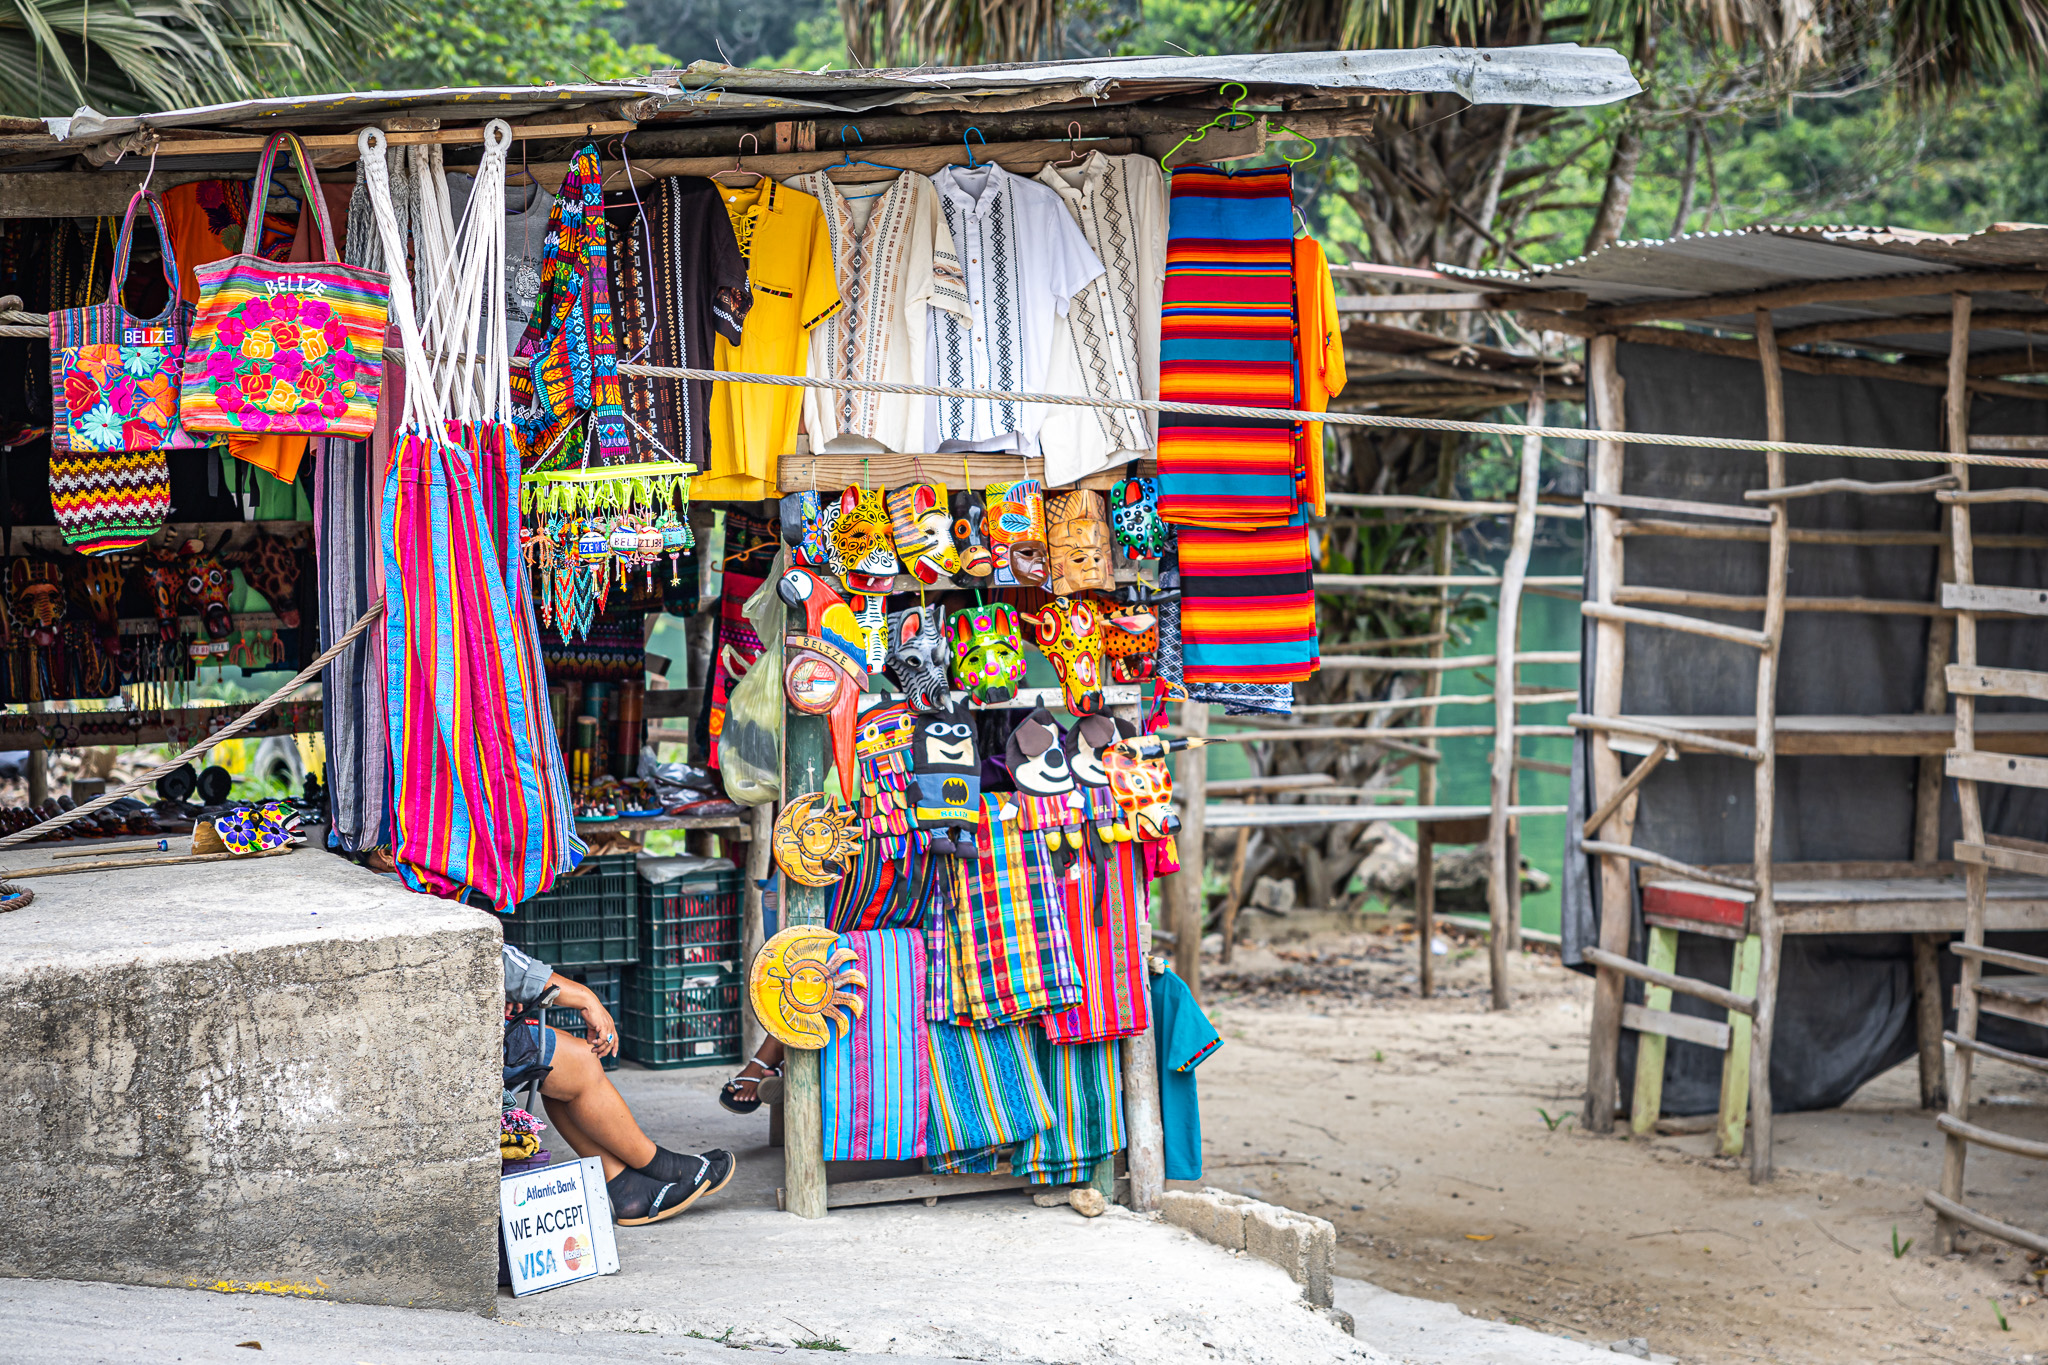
[{"x": 286, "y": 347}]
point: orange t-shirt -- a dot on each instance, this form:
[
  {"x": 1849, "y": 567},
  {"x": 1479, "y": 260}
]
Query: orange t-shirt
[{"x": 1319, "y": 352}]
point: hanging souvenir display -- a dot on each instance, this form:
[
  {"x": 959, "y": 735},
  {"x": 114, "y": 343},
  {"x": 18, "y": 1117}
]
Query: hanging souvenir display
[
  {"x": 918, "y": 657},
  {"x": 988, "y": 652},
  {"x": 1078, "y": 544},
  {"x": 923, "y": 526},
  {"x": 1016, "y": 533},
  {"x": 970, "y": 533},
  {"x": 207, "y": 586},
  {"x": 857, "y": 531},
  {"x": 1143, "y": 788},
  {"x": 1134, "y": 512},
  {"x": 1130, "y": 640},
  {"x": 802, "y": 987},
  {"x": 803, "y": 530},
  {"x": 946, "y": 772},
  {"x": 1084, "y": 742},
  {"x": 583, "y": 529},
  {"x": 826, "y": 667},
  {"x": 816, "y": 842},
  {"x": 882, "y": 739}
]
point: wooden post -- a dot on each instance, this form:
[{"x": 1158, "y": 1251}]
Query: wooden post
[
  {"x": 1927, "y": 1002},
  {"x": 1604, "y": 390},
  {"x": 1507, "y": 637},
  {"x": 1965, "y": 571},
  {"x": 753, "y": 927},
  {"x": 1764, "y": 909},
  {"x": 1648, "y": 1104},
  {"x": 806, "y": 758},
  {"x": 1145, "y": 1138},
  {"x": 1192, "y": 782},
  {"x": 1432, "y": 686},
  {"x": 1236, "y": 897}
]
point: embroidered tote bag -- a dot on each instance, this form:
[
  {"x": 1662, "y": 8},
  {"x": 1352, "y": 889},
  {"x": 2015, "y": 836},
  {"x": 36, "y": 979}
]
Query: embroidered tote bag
[
  {"x": 114, "y": 398},
  {"x": 286, "y": 347},
  {"x": 114, "y": 377}
]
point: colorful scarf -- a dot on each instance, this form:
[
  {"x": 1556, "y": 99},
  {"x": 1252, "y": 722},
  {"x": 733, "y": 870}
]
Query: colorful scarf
[
  {"x": 987, "y": 1096},
  {"x": 1010, "y": 956},
  {"x": 1103, "y": 913},
  {"x": 1085, "y": 1083},
  {"x": 877, "y": 1079},
  {"x": 575, "y": 371},
  {"x": 890, "y": 887},
  {"x": 1227, "y": 336},
  {"x": 1248, "y": 608}
]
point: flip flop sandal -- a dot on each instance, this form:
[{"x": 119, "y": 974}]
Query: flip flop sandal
[
  {"x": 715, "y": 1171},
  {"x": 729, "y": 1097}
]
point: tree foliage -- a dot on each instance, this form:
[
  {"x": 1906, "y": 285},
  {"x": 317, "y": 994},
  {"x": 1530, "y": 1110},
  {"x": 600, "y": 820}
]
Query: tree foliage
[{"x": 510, "y": 42}]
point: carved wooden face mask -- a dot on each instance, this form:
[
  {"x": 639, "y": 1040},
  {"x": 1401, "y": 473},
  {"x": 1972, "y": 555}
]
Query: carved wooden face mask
[
  {"x": 1134, "y": 511},
  {"x": 918, "y": 657},
  {"x": 1078, "y": 537},
  {"x": 207, "y": 585},
  {"x": 1130, "y": 640},
  {"x": 1070, "y": 634},
  {"x": 924, "y": 531},
  {"x": 988, "y": 653},
  {"x": 816, "y": 842},
  {"x": 803, "y": 530},
  {"x": 970, "y": 533},
  {"x": 863, "y": 552},
  {"x": 1016, "y": 532},
  {"x": 1143, "y": 788},
  {"x": 36, "y": 598},
  {"x": 96, "y": 584},
  {"x": 272, "y": 568}
]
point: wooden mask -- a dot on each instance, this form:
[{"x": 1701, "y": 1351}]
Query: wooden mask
[
  {"x": 816, "y": 843},
  {"x": 863, "y": 552},
  {"x": 1134, "y": 511},
  {"x": 802, "y": 986},
  {"x": 1077, "y": 533},
  {"x": 988, "y": 653},
  {"x": 970, "y": 533},
  {"x": 803, "y": 530},
  {"x": 207, "y": 585},
  {"x": 924, "y": 531},
  {"x": 918, "y": 657},
  {"x": 1016, "y": 532},
  {"x": 1130, "y": 639},
  {"x": 1070, "y": 633}
]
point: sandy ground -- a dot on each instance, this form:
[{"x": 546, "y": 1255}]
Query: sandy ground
[{"x": 1413, "y": 1125}]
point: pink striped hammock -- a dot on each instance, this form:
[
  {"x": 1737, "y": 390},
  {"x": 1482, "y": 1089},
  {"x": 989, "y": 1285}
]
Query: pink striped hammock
[{"x": 480, "y": 797}]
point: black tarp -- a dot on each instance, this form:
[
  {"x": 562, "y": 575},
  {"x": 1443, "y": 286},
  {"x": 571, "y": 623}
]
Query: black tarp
[{"x": 1845, "y": 1001}]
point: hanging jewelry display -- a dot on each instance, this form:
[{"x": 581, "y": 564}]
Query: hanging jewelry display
[{"x": 580, "y": 524}]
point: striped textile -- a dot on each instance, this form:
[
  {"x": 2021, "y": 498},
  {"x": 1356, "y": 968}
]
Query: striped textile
[
  {"x": 1085, "y": 1083},
  {"x": 481, "y": 799},
  {"x": 877, "y": 1079},
  {"x": 1103, "y": 913},
  {"x": 1010, "y": 955},
  {"x": 987, "y": 1096},
  {"x": 1227, "y": 336},
  {"x": 345, "y": 490},
  {"x": 1248, "y": 610},
  {"x": 890, "y": 887}
]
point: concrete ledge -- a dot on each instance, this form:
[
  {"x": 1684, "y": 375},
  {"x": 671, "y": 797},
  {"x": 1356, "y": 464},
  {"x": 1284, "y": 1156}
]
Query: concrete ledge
[
  {"x": 1300, "y": 1244},
  {"x": 277, "y": 1076}
]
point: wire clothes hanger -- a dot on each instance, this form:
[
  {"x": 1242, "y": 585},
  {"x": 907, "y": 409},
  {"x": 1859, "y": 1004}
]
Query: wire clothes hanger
[
  {"x": 736, "y": 168},
  {"x": 850, "y": 161},
  {"x": 1073, "y": 138},
  {"x": 972, "y": 164},
  {"x": 1238, "y": 111}
]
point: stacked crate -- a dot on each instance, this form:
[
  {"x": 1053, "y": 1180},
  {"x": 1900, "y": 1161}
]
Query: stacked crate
[
  {"x": 682, "y": 1002},
  {"x": 586, "y": 919}
]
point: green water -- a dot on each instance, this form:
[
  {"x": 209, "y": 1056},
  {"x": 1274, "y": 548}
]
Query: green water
[{"x": 1548, "y": 623}]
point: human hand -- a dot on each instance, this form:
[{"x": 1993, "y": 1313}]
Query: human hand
[{"x": 598, "y": 1029}]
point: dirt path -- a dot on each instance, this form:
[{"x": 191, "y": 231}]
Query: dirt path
[{"x": 1414, "y": 1126}]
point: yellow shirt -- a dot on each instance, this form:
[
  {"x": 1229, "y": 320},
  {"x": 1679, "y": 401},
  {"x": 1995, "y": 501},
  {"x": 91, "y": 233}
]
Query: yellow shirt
[
  {"x": 782, "y": 234},
  {"x": 1319, "y": 347}
]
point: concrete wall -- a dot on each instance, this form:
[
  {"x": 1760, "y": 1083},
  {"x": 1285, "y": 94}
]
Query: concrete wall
[{"x": 279, "y": 1076}]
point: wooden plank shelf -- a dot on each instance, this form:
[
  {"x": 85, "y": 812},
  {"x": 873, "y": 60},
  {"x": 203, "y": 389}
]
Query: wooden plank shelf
[
  {"x": 1857, "y": 898},
  {"x": 732, "y": 826}
]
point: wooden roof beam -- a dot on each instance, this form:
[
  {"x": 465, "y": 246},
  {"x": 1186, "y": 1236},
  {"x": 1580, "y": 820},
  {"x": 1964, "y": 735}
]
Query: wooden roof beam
[
  {"x": 1823, "y": 291},
  {"x": 1907, "y": 324}
]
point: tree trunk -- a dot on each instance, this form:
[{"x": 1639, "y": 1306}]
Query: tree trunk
[
  {"x": 1621, "y": 187},
  {"x": 1688, "y": 180}
]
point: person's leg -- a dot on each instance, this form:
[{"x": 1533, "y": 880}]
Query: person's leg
[
  {"x": 742, "y": 1093},
  {"x": 588, "y": 1111}
]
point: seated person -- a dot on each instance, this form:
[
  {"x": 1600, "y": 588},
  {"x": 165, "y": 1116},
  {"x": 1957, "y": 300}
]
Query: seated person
[
  {"x": 742, "y": 1094},
  {"x": 647, "y": 1183}
]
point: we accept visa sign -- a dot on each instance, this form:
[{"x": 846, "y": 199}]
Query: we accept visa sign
[{"x": 558, "y": 1225}]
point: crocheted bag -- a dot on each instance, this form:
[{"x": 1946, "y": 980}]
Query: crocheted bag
[{"x": 292, "y": 347}]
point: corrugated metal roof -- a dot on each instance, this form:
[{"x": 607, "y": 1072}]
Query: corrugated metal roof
[
  {"x": 1706, "y": 264},
  {"x": 1560, "y": 74}
]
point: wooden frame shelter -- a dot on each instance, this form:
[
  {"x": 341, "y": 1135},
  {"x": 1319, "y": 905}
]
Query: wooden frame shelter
[{"x": 1958, "y": 313}]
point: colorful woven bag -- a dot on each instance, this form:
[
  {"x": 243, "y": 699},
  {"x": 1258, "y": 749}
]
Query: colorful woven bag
[
  {"x": 291, "y": 348},
  {"x": 114, "y": 399}
]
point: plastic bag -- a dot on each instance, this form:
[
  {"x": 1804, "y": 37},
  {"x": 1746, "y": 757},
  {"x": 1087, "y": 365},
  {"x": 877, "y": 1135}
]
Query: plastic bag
[{"x": 750, "y": 746}]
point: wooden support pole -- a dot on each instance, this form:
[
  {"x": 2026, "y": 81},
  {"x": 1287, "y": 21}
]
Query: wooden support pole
[
  {"x": 1963, "y": 570},
  {"x": 1764, "y": 915},
  {"x": 1507, "y": 643},
  {"x": 806, "y": 759},
  {"x": 1189, "y": 904},
  {"x": 1447, "y": 454},
  {"x": 1617, "y": 889}
]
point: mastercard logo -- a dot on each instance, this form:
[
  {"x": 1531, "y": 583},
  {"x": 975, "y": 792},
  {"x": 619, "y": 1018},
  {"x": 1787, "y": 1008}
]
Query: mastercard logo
[{"x": 574, "y": 1252}]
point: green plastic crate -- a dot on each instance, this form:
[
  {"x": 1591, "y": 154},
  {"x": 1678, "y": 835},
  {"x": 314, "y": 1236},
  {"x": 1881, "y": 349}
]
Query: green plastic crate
[
  {"x": 587, "y": 919},
  {"x": 693, "y": 921},
  {"x": 681, "y": 1016}
]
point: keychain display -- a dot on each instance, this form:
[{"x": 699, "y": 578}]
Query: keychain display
[{"x": 582, "y": 530}]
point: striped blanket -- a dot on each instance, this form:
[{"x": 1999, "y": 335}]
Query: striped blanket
[
  {"x": 1085, "y": 1083},
  {"x": 1248, "y": 608},
  {"x": 877, "y": 1079},
  {"x": 987, "y": 1096},
  {"x": 1009, "y": 956},
  {"x": 1227, "y": 336},
  {"x": 1103, "y": 921}
]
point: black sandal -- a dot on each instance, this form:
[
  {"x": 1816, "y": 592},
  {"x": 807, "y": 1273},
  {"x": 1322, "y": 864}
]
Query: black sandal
[{"x": 729, "y": 1097}]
